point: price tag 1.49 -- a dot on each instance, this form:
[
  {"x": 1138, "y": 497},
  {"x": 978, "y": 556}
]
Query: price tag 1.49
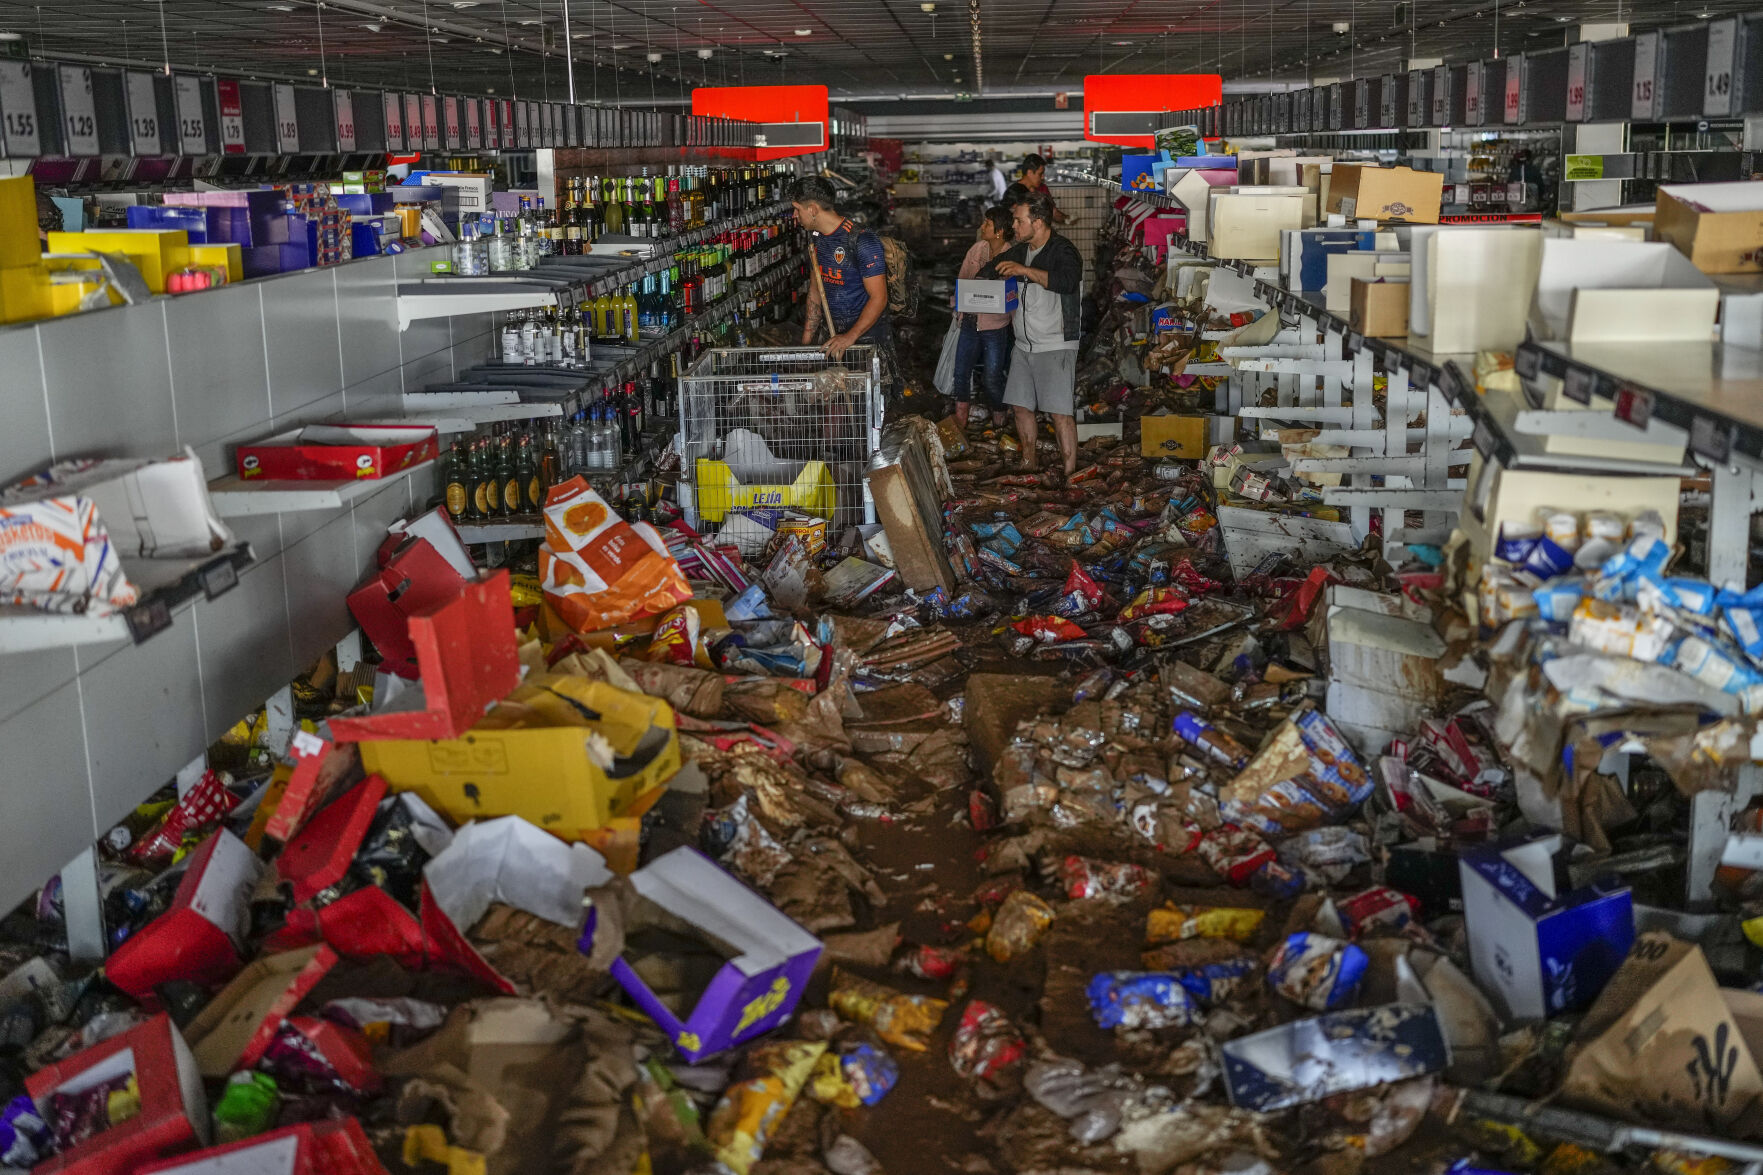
[
  {"x": 1717, "y": 82},
  {"x": 79, "y": 116}
]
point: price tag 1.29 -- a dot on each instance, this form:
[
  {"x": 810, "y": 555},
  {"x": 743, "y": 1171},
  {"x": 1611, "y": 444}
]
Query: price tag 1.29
[
  {"x": 1717, "y": 82},
  {"x": 18, "y": 110},
  {"x": 343, "y": 104},
  {"x": 143, "y": 104},
  {"x": 79, "y": 115},
  {"x": 192, "y": 123},
  {"x": 287, "y": 126},
  {"x": 1514, "y": 90}
]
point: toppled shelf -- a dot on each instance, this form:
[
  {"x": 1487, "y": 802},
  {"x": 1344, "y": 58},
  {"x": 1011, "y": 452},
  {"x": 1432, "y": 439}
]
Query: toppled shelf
[
  {"x": 234, "y": 497},
  {"x": 502, "y": 530},
  {"x": 163, "y": 584}
]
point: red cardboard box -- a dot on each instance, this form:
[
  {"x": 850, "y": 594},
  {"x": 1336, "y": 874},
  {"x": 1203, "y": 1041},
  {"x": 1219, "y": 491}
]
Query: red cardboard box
[
  {"x": 467, "y": 658},
  {"x": 416, "y": 578},
  {"x": 174, "y": 1109},
  {"x": 310, "y": 1148},
  {"x": 343, "y": 1049},
  {"x": 238, "y": 1024},
  {"x": 198, "y": 937},
  {"x": 321, "y": 770},
  {"x": 333, "y": 452}
]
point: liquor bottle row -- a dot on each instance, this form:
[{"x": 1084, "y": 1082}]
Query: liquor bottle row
[{"x": 683, "y": 198}]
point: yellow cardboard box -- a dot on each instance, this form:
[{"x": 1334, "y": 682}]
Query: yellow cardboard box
[
  {"x": 1173, "y": 436},
  {"x": 18, "y": 222},
  {"x": 569, "y": 754}
]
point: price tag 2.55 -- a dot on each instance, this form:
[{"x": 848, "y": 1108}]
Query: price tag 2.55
[{"x": 192, "y": 123}]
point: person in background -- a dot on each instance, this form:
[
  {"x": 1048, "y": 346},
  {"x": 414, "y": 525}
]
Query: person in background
[
  {"x": 853, "y": 272},
  {"x": 1000, "y": 184},
  {"x": 1034, "y": 178},
  {"x": 1043, "y": 371},
  {"x": 985, "y": 338}
]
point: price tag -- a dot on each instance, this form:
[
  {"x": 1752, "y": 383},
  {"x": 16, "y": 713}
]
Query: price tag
[
  {"x": 431, "y": 122},
  {"x": 143, "y": 108},
  {"x": 1335, "y": 104},
  {"x": 1717, "y": 82},
  {"x": 232, "y": 116},
  {"x": 394, "y": 108},
  {"x": 534, "y": 133},
  {"x": 1646, "y": 59},
  {"x": 1577, "y": 385},
  {"x": 219, "y": 579},
  {"x": 1361, "y": 103},
  {"x": 1386, "y": 109},
  {"x": 287, "y": 126},
  {"x": 79, "y": 117},
  {"x": 1634, "y": 406},
  {"x": 1577, "y": 56},
  {"x": 450, "y": 120},
  {"x": 18, "y": 110},
  {"x": 412, "y": 123},
  {"x": 1527, "y": 362},
  {"x": 1483, "y": 439},
  {"x": 1441, "y": 95},
  {"x": 1711, "y": 439},
  {"x": 343, "y": 103},
  {"x": 192, "y": 124},
  {"x": 150, "y": 618},
  {"x": 1472, "y": 94},
  {"x": 1355, "y": 342},
  {"x": 1515, "y": 89},
  {"x": 1450, "y": 383},
  {"x": 474, "y": 125},
  {"x": 1416, "y": 98},
  {"x": 1420, "y": 374}
]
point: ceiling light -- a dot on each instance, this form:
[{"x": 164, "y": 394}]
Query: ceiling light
[
  {"x": 948, "y": 57},
  {"x": 927, "y": 7},
  {"x": 705, "y": 54},
  {"x": 622, "y": 45},
  {"x": 280, "y": 7},
  {"x": 1123, "y": 42},
  {"x": 654, "y": 59},
  {"x": 11, "y": 37},
  {"x": 312, "y": 73},
  {"x": 804, "y": 32},
  {"x": 529, "y": 22},
  {"x": 372, "y": 28}
]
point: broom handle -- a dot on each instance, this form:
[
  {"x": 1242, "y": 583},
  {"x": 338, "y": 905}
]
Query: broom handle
[{"x": 826, "y": 311}]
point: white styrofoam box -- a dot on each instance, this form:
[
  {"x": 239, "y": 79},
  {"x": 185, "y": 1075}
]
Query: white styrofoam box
[{"x": 1621, "y": 291}]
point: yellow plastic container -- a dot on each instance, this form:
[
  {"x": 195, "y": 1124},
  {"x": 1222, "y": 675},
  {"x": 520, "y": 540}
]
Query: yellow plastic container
[
  {"x": 720, "y": 491},
  {"x": 532, "y": 756}
]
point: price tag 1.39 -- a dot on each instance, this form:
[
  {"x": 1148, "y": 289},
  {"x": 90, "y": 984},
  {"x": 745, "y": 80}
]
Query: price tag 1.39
[
  {"x": 79, "y": 115},
  {"x": 143, "y": 104}
]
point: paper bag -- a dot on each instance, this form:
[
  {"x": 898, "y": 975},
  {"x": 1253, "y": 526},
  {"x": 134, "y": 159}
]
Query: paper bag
[
  {"x": 1662, "y": 1045},
  {"x": 597, "y": 569}
]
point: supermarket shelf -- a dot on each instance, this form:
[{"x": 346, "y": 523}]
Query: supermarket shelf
[
  {"x": 502, "y": 530},
  {"x": 163, "y": 584},
  {"x": 234, "y": 497},
  {"x": 469, "y": 418},
  {"x": 450, "y": 297}
]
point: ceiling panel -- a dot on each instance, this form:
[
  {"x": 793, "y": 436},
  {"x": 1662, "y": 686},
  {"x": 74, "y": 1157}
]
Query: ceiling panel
[{"x": 856, "y": 47}]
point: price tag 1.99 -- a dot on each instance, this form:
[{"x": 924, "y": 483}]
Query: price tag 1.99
[
  {"x": 192, "y": 123},
  {"x": 431, "y": 122},
  {"x": 1576, "y": 60},
  {"x": 474, "y": 126},
  {"x": 287, "y": 126},
  {"x": 450, "y": 122},
  {"x": 394, "y": 107},
  {"x": 343, "y": 103},
  {"x": 18, "y": 110},
  {"x": 143, "y": 105},
  {"x": 79, "y": 116}
]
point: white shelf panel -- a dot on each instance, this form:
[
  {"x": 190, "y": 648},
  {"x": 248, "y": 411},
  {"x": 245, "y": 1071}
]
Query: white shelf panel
[
  {"x": 468, "y": 419},
  {"x": 234, "y": 497},
  {"x": 28, "y": 630},
  {"x": 508, "y": 530},
  {"x": 432, "y": 300}
]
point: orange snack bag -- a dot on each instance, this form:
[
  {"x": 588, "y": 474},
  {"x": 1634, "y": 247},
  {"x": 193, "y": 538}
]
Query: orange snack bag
[{"x": 599, "y": 571}]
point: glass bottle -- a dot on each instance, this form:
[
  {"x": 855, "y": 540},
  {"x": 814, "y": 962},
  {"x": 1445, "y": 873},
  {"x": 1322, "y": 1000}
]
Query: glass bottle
[
  {"x": 526, "y": 469},
  {"x": 454, "y": 481},
  {"x": 507, "y": 480}
]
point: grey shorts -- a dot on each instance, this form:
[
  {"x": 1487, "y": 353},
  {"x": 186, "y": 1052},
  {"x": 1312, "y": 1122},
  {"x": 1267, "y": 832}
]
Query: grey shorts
[{"x": 1043, "y": 380}]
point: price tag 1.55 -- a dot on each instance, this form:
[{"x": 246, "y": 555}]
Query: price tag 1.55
[{"x": 18, "y": 110}]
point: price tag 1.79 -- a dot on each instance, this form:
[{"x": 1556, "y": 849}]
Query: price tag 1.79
[
  {"x": 79, "y": 116},
  {"x": 18, "y": 110},
  {"x": 287, "y": 126},
  {"x": 143, "y": 106}
]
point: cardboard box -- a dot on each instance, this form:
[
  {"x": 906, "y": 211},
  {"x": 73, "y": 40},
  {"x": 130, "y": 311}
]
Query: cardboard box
[
  {"x": 1470, "y": 287},
  {"x": 1379, "y": 308},
  {"x": 1170, "y": 435},
  {"x": 973, "y": 296},
  {"x": 530, "y": 756},
  {"x": 1717, "y": 226},
  {"x": 237, "y": 1025},
  {"x": 75, "y": 537},
  {"x": 308, "y": 1148},
  {"x": 1338, "y": 1052},
  {"x": 751, "y": 477},
  {"x": 1601, "y": 291},
  {"x": 908, "y": 504},
  {"x": 1385, "y": 193},
  {"x": 466, "y": 656},
  {"x": 1193, "y": 190},
  {"x": 1534, "y": 952},
  {"x": 1383, "y": 674},
  {"x": 200, "y": 936},
  {"x": 1248, "y": 225},
  {"x": 767, "y": 957},
  {"x": 329, "y": 452},
  {"x": 174, "y": 1109},
  {"x": 1663, "y": 1044}
]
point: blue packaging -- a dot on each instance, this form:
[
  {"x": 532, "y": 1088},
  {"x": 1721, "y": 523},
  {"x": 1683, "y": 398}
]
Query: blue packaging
[
  {"x": 1547, "y": 559},
  {"x": 1746, "y": 627},
  {"x": 1277, "y": 881},
  {"x": 1691, "y": 595},
  {"x": 1516, "y": 548},
  {"x": 870, "y": 1072},
  {"x": 1317, "y": 971},
  {"x": 749, "y": 605},
  {"x": 1557, "y": 599},
  {"x": 1337, "y": 1052},
  {"x": 1141, "y": 999},
  {"x": 1215, "y": 981},
  {"x": 1000, "y": 546}
]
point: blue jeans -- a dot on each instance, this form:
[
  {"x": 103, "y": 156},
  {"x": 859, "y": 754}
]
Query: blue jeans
[{"x": 974, "y": 348}]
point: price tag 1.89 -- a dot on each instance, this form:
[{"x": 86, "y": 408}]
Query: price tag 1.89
[
  {"x": 287, "y": 126},
  {"x": 79, "y": 116}
]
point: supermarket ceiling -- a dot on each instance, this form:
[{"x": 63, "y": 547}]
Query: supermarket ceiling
[{"x": 655, "y": 50}]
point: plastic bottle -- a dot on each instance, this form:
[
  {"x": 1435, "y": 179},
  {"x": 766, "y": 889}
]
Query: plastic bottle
[{"x": 511, "y": 345}]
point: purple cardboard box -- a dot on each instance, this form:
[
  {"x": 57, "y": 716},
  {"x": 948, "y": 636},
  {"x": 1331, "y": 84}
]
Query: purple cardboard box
[{"x": 767, "y": 956}]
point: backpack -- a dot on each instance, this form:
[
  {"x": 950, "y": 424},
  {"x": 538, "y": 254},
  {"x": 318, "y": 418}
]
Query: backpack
[{"x": 902, "y": 282}]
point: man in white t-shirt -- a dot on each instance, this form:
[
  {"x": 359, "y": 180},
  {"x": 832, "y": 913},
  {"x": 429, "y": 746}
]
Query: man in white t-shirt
[{"x": 1043, "y": 372}]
